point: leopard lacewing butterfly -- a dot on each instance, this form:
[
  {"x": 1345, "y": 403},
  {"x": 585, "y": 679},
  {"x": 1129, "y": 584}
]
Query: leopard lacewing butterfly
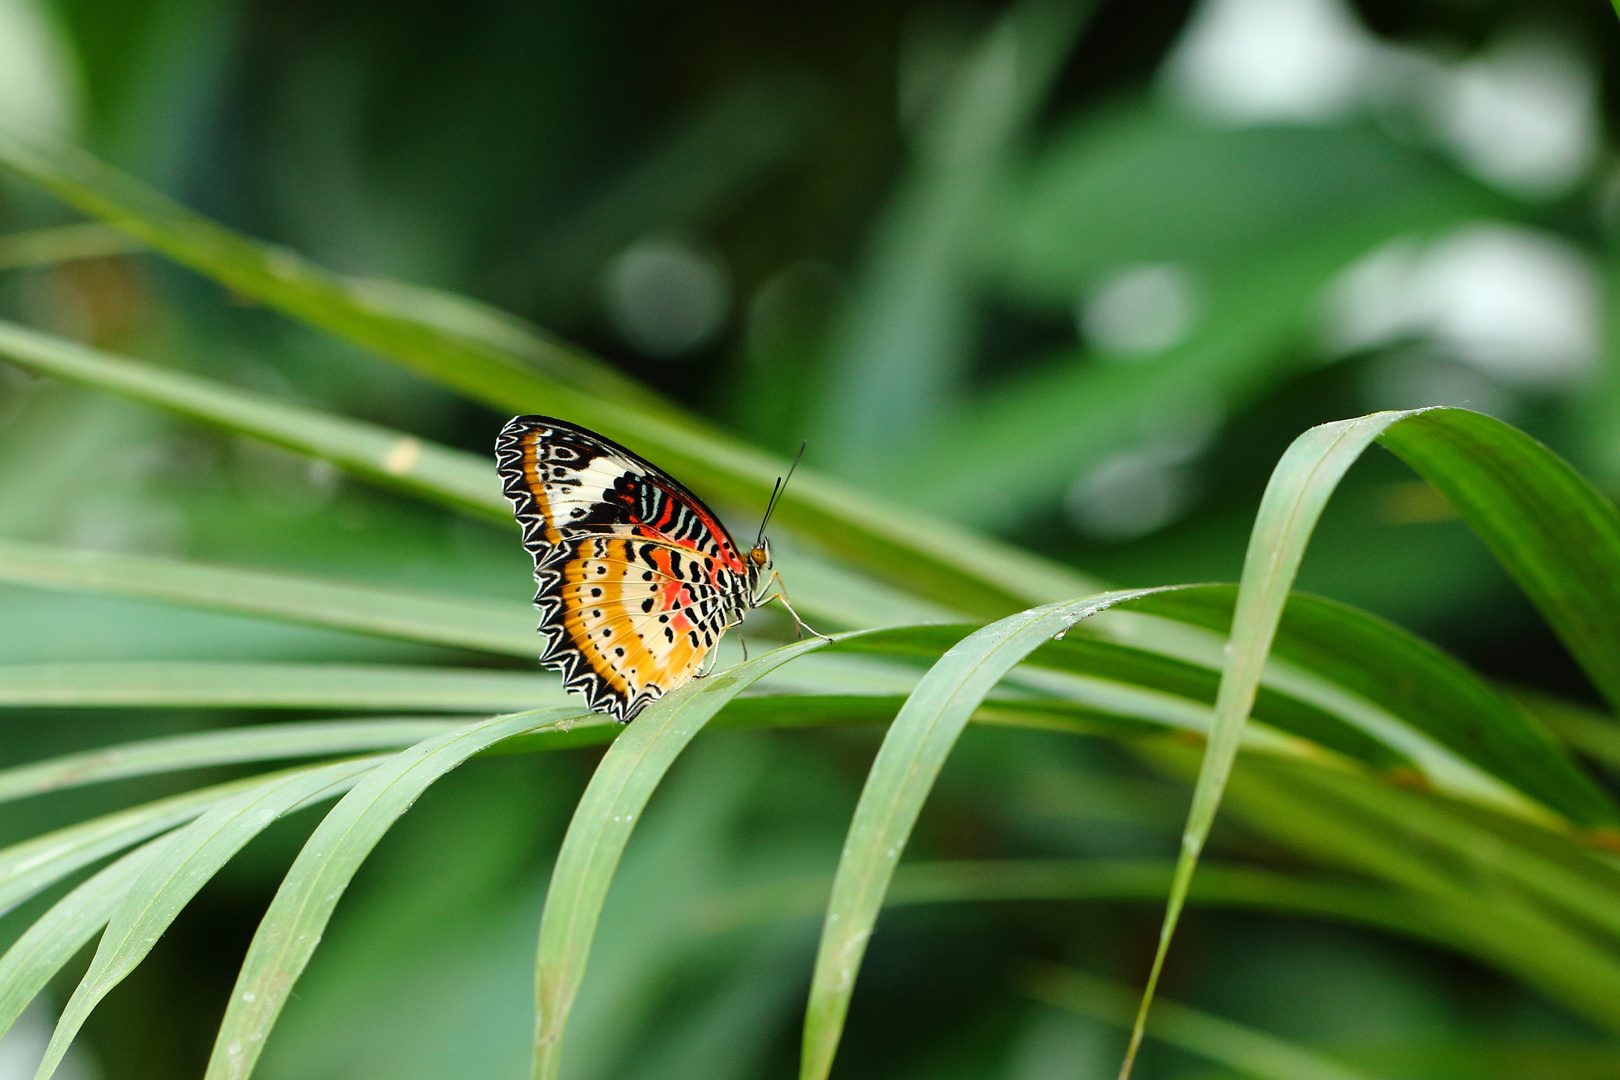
[{"x": 637, "y": 578}]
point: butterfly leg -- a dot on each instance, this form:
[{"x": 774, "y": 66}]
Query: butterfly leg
[{"x": 781, "y": 594}]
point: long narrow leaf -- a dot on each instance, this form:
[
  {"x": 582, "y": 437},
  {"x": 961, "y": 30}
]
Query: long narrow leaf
[
  {"x": 271, "y": 742},
  {"x": 1222, "y": 885},
  {"x": 450, "y": 476},
  {"x": 912, "y": 754},
  {"x": 187, "y": 863},
  {"x": 1300, "y": 486},
  {"x": 1587, "y": 730},
  {"x": 30, "y": 866},
  {"x": 454, "y": 477},
  {"x": 1491, "y": 917},
  {"x": 215, "y": 684},
  {"x": 1453, "y": 717},
  {"x": 600, "y": 828},
  {"x": 1251, "y": 1052},
  {"x": 487, "y": 625},
  {"x": 283, "y": 279},
  {"x": 53, "y": 939},
  {"x": 1556, "y": 535},
  {"x": 939, "y": 559},
  {"x": 64, "y": 243},
  {"x": 1559, "y": 872},
  {"x": 292, "y": 927}
]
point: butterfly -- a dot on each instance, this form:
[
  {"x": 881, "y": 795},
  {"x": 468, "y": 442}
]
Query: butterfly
[{"x": 637, "y": 578}]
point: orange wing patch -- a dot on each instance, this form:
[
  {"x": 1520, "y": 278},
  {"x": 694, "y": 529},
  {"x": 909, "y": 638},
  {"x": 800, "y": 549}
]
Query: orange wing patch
[{"x": 640, "y": 631}]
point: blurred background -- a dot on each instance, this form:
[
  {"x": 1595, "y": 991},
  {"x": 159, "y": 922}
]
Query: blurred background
[{"x": 1074, "y": 274}]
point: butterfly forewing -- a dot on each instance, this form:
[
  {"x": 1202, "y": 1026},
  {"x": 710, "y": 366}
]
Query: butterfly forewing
[{"x": 637, "y": 578}]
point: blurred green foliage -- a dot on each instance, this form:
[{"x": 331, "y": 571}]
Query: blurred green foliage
[{"x": 1072, "y": 274}]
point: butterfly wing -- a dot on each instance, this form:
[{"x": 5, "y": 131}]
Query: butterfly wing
[{"x": 637, "y": 578}]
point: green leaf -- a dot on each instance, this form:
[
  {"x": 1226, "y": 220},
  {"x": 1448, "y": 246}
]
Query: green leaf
[
  {"x": 55, "y": 937},
  {"x": 1557, "y": 535},
  {"x": 1305, "y": 810},
  {"x": 1470, "y": 840},
  {"x": 29, "y": 866},
  {"x": 1443, "y": 704},
  {"x": 1299, "y": 488},
  {"x": 1049, "y": 426},
  {"x": 285, "y": 280},
  {"x": 600, "y": 828},
  {"x": 1221, "y": 885},
  {"x": 1127, "y": 665},
  {"x": 1589, "y": 731},
  {"x": 1236, "y": 1046},
  {"x": 193, "y": 856},
  {"x": 268, "y": 742},
  {"x": 938, "y": 559},
  {"x": 64, "y": 243},
  {"x": 211, "y": 684},
  {"x": 487, "y": 625},
  {"x": 1509, "y": 488},
  {"x": 453, "y": 477},
  {"x": 292, "y": 927},
  {"x": 913, "y": 752},
  {"x": 908, "y": 334}
]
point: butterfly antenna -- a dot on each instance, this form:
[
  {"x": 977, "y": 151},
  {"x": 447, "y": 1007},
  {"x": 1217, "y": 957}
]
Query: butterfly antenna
[{"x": 776, "y": 493}]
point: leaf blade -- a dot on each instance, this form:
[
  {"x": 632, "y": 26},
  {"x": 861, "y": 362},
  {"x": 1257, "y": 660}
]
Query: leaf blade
[
  {"x": 455, "y": 478},
  {"x": 291, "y": 928},
  {"x": 29, "y": 866},
  {"x": 484, "y": 625},
  {"x": 230, "y": 746},
  {"x": 1233, "y": 1045},
  {"x": 223, "y": 684},
  {"x": 1499, "y": 480},
  {"x": 193, "y": 855},
  {"x": 936, "y": 558},
  {"x": 52, "y": 940},
  {"x": 1538, "y": 516},
  {"x": 910, "y": 758},
  {"x": 600, "y": 828}
]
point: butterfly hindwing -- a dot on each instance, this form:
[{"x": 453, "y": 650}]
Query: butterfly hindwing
[{"x": 637, "y": 579}]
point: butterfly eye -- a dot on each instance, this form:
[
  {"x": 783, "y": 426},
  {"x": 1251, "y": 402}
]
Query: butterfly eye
[{"x": 758, "y": 555}]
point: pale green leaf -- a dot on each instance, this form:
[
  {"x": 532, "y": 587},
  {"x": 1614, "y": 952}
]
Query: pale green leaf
[
  {"x": 55, "y": 937},
  {"x": 29, "y": 866},
  {"x": 938, "y": 559},
  {"x": 292, "y": 927},
  {"x": 909, "y": 761},
  {"x": 601, "y": 826},
  {"x": 193, "y": 855},
  {"x": 217, "y": 684},
  {"x": 270, "y": 742},
  {"x": 487, "y": 625},
  {"x": 1236, "y": 1046},
  {"x": 453, "y": 477}
]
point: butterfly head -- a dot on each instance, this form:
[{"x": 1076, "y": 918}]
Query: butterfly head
[{"x": 759, "y": 560}]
